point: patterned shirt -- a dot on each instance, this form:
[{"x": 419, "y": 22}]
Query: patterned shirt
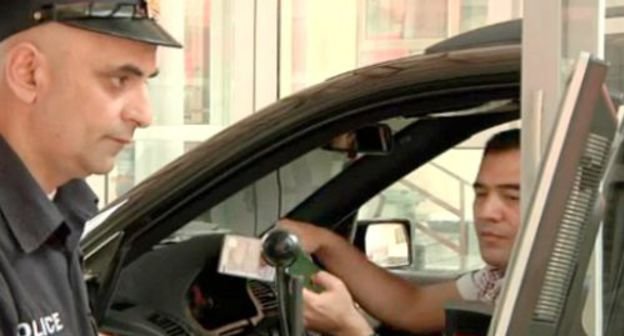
[{"x": 481, "y": 285}]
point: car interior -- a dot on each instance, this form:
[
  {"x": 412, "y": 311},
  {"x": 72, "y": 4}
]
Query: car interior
[{"x": 175, "y": 288}]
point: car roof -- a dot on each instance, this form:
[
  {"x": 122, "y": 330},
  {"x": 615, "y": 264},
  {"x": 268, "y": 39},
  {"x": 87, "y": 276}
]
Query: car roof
[{"x": 499, "y": 34}]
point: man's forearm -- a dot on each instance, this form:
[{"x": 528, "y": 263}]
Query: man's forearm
[{"x": 382, "y": 294}]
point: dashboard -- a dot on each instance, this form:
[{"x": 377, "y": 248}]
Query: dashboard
[{"x": 175, "y": 289}]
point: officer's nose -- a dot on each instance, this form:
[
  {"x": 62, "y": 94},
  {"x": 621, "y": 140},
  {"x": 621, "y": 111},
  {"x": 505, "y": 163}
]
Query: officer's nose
[{"x": 139, "y": 110}]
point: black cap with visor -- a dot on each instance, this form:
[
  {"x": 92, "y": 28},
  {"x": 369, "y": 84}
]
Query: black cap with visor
[{"x": 130, "y": 19}]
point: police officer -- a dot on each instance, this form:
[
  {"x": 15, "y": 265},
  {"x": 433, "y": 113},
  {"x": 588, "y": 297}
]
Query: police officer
[{"x": 72, "y": 91}]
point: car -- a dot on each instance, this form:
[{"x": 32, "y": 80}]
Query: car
[{"x": 151, "y": 256}]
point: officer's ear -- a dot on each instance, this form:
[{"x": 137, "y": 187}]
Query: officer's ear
[{"x": 24, "y": 72}]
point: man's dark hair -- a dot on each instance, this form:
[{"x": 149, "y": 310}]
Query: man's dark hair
[{"x": 503, "y": 141}]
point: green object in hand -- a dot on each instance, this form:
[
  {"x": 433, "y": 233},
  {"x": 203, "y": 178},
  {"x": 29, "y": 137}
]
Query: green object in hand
[{"x": 304, "y": 267}]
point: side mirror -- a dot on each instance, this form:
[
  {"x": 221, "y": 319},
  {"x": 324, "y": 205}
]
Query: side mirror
[
  {"x": 371, "y": 140},
  {"x": 387, "y": 243}
]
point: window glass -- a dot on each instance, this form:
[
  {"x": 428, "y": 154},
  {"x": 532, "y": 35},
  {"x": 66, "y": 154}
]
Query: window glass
[
  {"x": 391, "y": 19},
  {"x": 320, "y": 39},
  {"x": 474, "y": 14},
  {"x": 192, "y": 98},
  {"x": 323, "y": 38},
  {"x": 257, "y": 207},
  {"x": 197, "y": 62},
  {"x": 207, "y": 85},
  {"x": 438, "y": 203}
]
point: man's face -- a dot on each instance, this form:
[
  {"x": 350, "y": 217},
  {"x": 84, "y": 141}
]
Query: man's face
[
  {"x": 93, "y": 99},
  {"x": 497, "y": 205}
]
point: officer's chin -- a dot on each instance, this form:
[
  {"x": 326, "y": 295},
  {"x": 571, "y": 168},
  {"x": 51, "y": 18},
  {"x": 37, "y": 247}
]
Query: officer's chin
[{"x": 101, "y": 168}]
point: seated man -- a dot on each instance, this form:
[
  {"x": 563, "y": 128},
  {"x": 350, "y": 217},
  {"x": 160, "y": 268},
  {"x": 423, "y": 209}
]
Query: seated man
[{"x": 397, "y": 302}]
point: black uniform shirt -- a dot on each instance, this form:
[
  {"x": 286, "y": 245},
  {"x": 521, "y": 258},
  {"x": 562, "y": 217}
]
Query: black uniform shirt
[{"x": 42, "y": 291}]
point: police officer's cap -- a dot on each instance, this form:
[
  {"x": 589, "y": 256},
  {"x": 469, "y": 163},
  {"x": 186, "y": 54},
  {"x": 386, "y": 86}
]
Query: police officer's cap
[{"x": 131, "y": 19}]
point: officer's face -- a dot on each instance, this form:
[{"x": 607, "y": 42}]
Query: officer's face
[
  {"x": 497, "y": 205},
  {"x": 94, "y": 98}
]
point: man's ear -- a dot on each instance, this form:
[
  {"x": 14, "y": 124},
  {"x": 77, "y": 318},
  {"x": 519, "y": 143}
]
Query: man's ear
[{"x": 23, "y": 71}]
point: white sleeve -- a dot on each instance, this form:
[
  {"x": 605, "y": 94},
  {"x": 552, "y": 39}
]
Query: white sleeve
[{"x": 467, "y": 287}]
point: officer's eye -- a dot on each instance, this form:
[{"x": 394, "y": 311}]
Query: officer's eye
[{"x": 120, "y": 81}]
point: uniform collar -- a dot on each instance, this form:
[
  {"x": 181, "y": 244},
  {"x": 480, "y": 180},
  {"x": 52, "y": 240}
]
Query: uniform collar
[
  {"x": 32, "y": 218},
  {"x": 77, "y": 203}
]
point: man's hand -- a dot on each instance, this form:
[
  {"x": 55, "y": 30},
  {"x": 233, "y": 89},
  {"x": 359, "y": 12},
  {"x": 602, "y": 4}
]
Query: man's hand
[
  {"x": 332, "y": 311},
  {"x": 310, "y": 236}
]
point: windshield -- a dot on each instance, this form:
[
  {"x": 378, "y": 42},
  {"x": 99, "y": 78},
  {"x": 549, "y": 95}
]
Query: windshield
[{"x": 258, "y": 206}]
